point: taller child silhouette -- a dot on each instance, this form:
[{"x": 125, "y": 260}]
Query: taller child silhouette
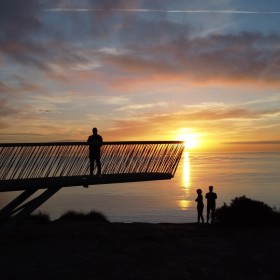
[{"x": 211, "y": 203}]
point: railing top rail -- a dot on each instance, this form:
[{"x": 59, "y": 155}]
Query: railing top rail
[{"x": 85, "y": 143}]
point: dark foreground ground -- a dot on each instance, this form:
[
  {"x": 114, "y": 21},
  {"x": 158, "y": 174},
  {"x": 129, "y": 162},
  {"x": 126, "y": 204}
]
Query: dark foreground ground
[{"x": 82, "y": 250}]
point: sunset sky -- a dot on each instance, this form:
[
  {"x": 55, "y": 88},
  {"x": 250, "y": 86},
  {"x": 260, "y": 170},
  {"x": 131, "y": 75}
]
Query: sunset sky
[{"x": 204, "y": 71}]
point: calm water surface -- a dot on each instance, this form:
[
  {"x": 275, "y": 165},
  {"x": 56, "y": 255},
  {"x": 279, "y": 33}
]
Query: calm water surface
[{"x": 255, "y": 175}]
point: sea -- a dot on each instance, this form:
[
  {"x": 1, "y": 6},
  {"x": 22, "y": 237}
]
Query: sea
[{"x": 255, "y": 175}]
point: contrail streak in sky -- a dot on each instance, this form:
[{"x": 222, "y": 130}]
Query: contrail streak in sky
[{"x": 162, "y": 11}]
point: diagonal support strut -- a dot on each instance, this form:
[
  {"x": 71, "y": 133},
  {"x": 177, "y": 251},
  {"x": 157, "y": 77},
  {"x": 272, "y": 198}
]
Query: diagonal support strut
[{"x": 13, "y": 213}]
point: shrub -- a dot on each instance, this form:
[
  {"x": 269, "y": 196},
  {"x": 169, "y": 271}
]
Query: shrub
[
  {"x": 244, "y": 211},
  {"x": 39, "y": 218},
  {"x": 92, "y": 216}
]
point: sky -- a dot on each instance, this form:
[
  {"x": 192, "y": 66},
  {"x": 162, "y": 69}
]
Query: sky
[{"x": 207, "y": 72}]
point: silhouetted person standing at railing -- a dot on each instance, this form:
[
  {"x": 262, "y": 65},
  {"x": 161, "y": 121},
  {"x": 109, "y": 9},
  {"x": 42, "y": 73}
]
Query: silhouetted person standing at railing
[
  {"x": 95, "y": 142},
  {"x": 211, "y": 204},
  {"x": 200, "y": 206}
]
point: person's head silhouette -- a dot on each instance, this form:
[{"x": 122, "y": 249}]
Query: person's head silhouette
[
  {"x": 94, "y": 130},
  {"x": 210, "y": 188},
  {"x": 199, "y": 191}
]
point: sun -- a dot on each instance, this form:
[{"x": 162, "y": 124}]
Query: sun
[{"x": 190, "y": 139}]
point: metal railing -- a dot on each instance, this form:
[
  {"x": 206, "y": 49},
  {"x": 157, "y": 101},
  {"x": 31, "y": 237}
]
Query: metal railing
[{"x": 48, "y": 160}]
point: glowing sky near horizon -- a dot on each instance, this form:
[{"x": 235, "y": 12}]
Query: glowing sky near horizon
[{"x": 141, "y": 70}]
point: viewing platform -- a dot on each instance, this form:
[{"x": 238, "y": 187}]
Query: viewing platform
[
  {"x": 29, "y": 167},
  {"x": 44, "y": 165}
]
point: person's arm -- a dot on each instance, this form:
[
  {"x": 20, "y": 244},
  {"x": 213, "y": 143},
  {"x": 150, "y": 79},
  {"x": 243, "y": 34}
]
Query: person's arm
[
  {"x": 100, "y": 141},
  {"x": 89, "y": 140}
]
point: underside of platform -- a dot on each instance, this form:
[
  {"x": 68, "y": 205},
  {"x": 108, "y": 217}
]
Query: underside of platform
[{"x": 72, "y": 181}]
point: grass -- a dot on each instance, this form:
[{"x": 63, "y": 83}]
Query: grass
[
  {"x": 39, "y": 218},
  {"x": 92, "y": 216}
]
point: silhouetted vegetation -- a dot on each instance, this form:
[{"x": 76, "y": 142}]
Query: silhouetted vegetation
[
  {"x": 244, "y": 211},
  {"x": 39, "y": 218},
  {"x": 92, "y": 216}
]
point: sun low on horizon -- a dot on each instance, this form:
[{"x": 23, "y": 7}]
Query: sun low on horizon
[{"x": 191, "y": 140}]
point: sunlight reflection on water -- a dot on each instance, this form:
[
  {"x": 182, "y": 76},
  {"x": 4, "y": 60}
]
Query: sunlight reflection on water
[
  {"x": 185, "y": 203},
  {"x": 186, "y": 178}
]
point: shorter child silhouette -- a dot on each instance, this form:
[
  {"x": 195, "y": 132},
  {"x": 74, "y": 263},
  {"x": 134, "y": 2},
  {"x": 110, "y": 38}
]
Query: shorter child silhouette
[{"x": 200, "y": 206}]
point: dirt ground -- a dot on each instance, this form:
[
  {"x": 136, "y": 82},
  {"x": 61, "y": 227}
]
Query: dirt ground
[{"x": 84, "y": 250}]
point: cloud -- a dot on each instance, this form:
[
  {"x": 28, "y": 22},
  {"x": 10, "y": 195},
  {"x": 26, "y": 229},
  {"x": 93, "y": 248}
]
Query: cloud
[
  {"x": 135, "y": 10},
  {"x": 135, "y": 48},
  {"x": 90, "y": 5},
  {"x": 6, "y": 109},
  {"x": 162, "y": 6},
  {"x": 273, "y": 142},
  {"x": 27, "y": 37},
  {"x": 19, "y": 20},
  {"x": 142, "y": 106},
  {"x": 218, "y": 121},
  {"x": 241, "y": 58}
]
